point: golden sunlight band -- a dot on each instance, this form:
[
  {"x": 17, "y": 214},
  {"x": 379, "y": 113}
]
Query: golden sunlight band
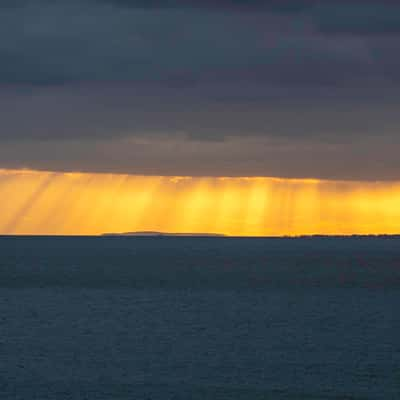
[{"x": 86, "y": 204}]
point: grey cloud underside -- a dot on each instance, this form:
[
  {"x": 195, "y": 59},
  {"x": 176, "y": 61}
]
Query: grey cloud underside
[
  {"x": 368, "y": 160},
  {"x": 208, "y": 113},
  {"x": 284, "y": 88},
  {"x": 140, "y": 131}
]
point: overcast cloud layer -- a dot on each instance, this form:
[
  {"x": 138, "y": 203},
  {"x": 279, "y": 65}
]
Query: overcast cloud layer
[{"x": 265, "y": 88}]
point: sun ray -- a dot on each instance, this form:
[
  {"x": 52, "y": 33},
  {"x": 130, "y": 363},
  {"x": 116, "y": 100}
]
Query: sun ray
[{"x": 34, "y": 202}]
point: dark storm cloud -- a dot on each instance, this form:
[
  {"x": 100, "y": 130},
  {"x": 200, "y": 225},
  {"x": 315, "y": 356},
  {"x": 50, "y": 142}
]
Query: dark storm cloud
[
  {"x": 269, "y": 5},
  {"x": 340, "y": 16},
  {"x": 85, "y": 41},
  {"x": 201, "y": 87},
  {"x": 366, "y": 18},
  {"x": 274, "y": 5}
]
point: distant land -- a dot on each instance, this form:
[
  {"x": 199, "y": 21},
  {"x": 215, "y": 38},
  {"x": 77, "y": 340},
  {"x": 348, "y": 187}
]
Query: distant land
[
  {"x": 216, "y": 235},
  {"x": 167, "y": 234}
]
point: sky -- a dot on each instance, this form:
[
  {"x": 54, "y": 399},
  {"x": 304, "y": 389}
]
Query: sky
[
  {"x": 296, "y": 89},
  {"x": 57, "y": 203},
  {"x": 268, "y": 117}
]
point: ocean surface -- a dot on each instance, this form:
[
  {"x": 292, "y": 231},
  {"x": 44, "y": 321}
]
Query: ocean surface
[{"x": 199, "y": 318}]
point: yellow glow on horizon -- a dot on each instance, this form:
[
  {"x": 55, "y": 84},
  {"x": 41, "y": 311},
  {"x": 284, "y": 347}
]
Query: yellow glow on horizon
[{"x": 34, "y": 202}]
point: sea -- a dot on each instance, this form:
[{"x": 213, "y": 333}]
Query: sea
[{"x": 162, "y": 318}]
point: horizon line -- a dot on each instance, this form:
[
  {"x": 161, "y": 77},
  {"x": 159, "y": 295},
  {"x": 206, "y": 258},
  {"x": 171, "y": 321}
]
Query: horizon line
[{"x": 204, "y": 235}]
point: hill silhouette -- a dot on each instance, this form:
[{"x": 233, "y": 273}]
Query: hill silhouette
[{"x": 168, "y": 234}]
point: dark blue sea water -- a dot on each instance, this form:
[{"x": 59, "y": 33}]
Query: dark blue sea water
[{"x": 199, "y": 318}]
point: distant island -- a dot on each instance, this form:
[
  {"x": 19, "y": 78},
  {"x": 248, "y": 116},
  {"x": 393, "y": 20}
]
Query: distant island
[
  {"x": 190, "y": 234},
  {"x": 164, "y": 234}
]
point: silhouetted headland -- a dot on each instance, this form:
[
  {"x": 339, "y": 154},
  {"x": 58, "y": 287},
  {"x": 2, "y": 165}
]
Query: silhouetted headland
[{"x": 164, "y": 234}]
